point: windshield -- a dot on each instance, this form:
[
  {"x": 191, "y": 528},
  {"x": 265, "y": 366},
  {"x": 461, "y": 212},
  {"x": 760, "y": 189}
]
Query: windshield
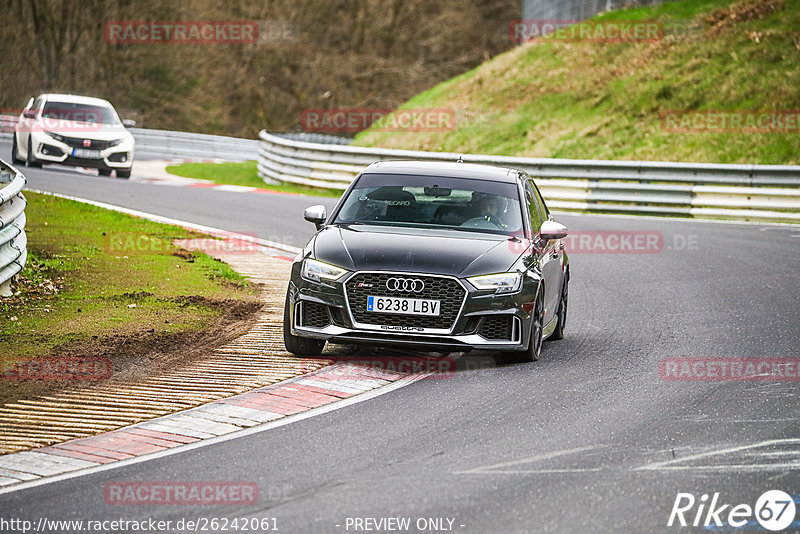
[
  {"x": 433, "y": 201},
  {"x": 70, "y": 111}
]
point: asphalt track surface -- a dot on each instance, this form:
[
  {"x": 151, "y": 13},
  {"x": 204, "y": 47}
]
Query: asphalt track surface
[{"x": 588, "y": 439}]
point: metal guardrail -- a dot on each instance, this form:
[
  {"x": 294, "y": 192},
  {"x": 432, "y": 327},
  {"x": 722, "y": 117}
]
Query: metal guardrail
[
  {"x": 742, "y": 192},
  {"x": 7, "y": 123},
  {"x": 13, "y": 241},
  {"x": 172, "y": 144},
  {"x": 167, "y": 143}
]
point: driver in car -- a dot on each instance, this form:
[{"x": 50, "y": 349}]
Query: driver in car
[{"x": 488, "y": 209}]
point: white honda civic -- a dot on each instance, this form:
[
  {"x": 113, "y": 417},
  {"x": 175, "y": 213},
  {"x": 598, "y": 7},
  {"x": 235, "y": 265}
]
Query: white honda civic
[{"x": 73, "y": 130}]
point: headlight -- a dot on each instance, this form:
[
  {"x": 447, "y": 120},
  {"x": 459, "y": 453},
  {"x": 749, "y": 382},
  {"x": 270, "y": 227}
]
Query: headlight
[
  {"x": 56, "y": 136},
  {"x": 316, "y": 271},
  {"x": 501, "y": 282},
  {"x": 115, "y": 142}
]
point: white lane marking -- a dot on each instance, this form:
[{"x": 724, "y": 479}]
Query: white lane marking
[
  {"x": 235, "y": 188},
  {"x": 530, "y": 471},
  {"x": 168, "y": 220},
  {"x": 498, "y": 468},
  {"x": 745, "y": 468},
  {"x": 220, "y": 439},
  {"x": 774, "y": 454},
  {"x": 670, "y": 464}
]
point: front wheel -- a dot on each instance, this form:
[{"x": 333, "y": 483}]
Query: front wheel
[
  {"x": 30, "y": 161},
  {"x": 299, "y": 346},
  {"x": 123, "y": 173},
  {"x": 15, "y": 152}
]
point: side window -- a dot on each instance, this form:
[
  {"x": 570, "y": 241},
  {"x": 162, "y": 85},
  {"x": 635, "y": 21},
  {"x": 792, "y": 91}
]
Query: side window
[
  {"x": 37, "y": 103},
  {"x": 531, "y": 196},
  {"x": 540, "y": 201}
]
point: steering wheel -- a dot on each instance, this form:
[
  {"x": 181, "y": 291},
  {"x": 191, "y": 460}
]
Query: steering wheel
[{"x": 482, "y": 222}]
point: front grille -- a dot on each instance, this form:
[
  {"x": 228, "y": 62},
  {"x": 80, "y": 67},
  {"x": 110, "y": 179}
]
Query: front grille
[
  {"x": 497, "y": 327},
  {"x": 314, "y": 315},
  {"x": 77, "y": 142},
  {"x": 447, "y": 291}
]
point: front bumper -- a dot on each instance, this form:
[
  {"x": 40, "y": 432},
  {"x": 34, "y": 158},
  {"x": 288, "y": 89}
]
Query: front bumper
[
  {"x": 484, "y": 321},
  {"x": 47, "y": 149}
]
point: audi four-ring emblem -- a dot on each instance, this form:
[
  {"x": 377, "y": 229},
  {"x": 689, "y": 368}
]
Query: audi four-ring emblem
[{"x": 414, "y": 285}]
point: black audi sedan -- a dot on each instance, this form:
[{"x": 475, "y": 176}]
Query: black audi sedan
[{"x": 436, "y": 255}]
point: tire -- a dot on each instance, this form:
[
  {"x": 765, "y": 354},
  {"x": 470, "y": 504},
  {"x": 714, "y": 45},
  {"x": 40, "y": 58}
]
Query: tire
[
  {"x": 531, "y": 354},
  {"x": 558, "y": 333},
  {"x": 123, "y": 173},
  {"x": 299, "y": 346},
  {"x": 30, "y": 161},
  {"x": 15, "y": 159},
  {"x": 104, "y": 172}
]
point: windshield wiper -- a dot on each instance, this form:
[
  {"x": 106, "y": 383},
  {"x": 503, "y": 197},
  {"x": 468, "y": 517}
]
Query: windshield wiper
[{"x": 348, "y": 223}]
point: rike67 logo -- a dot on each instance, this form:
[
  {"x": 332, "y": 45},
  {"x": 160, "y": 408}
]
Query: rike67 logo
[{"x": 774, "y": 510}]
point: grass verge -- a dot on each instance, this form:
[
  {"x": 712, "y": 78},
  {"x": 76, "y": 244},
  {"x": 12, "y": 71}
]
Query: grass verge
[
  {"x": 101, "y": 283},
  {"x": 244, "y": 173}
]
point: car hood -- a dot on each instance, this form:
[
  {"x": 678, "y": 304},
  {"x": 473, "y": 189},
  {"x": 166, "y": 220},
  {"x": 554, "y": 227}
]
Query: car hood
[
  {"x": 85, "y": 130},
  {"x": 374, "y": 248}
]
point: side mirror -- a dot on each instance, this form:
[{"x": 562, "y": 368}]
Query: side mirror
[
  {"x": 29, "y": 113},
  {"x": 315, "y": 214},
  {"x": 552, "y": 230},
  {"x": 128, "y": 123}
]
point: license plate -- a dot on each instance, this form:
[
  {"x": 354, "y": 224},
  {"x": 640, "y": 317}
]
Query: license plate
[
  {"x": 86, "y": 153},
  {"x": 403, "y": 306}
]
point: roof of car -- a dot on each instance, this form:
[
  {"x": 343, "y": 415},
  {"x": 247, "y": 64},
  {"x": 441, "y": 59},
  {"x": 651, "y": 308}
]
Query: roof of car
[
  {"x": 75, "y": 99},
  {"x": 443, "y": 168}
]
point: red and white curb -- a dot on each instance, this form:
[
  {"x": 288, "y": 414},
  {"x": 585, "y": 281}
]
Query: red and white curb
[
  {"x": 155, "y": 172},
  {"x": 338, "y": 385}
]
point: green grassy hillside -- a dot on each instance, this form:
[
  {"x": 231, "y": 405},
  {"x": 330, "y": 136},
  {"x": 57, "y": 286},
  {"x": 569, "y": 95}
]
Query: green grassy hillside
[{"x": 597, "y": 100}]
